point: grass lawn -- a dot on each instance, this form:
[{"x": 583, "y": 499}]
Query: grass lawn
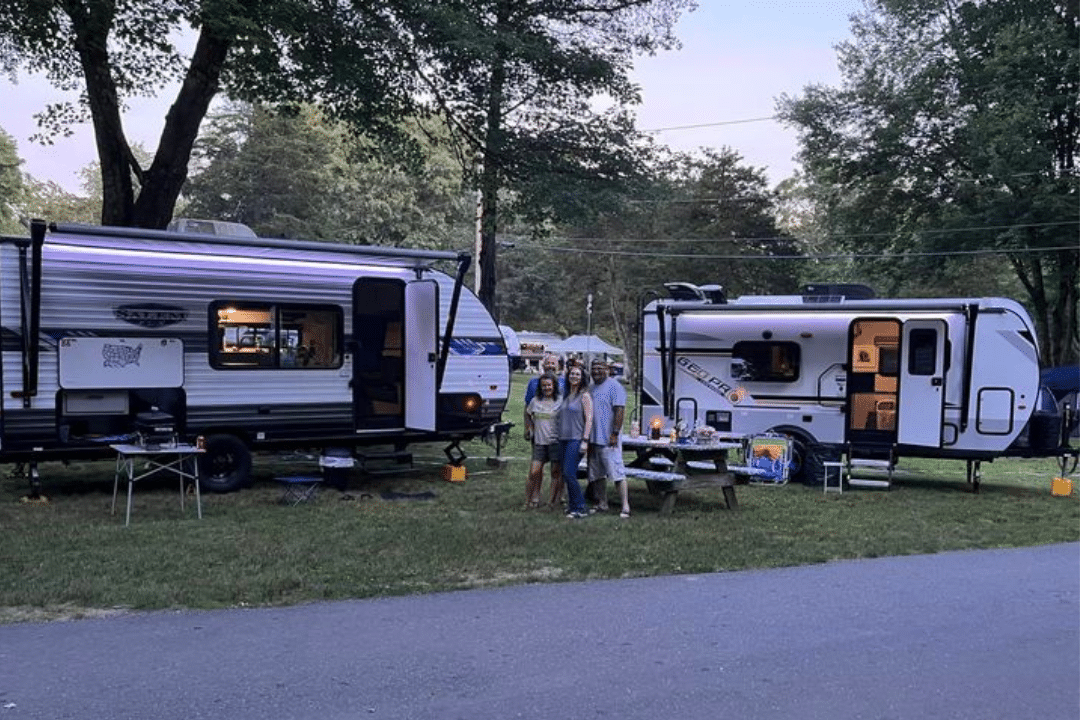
[{"x": 408, "y": 531}]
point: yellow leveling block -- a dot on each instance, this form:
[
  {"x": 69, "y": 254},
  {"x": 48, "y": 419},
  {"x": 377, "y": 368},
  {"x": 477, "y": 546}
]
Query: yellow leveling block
[{"x": 453, "y": 473}]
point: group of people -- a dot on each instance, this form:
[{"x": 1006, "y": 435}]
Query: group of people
[{"x": 567, "y": 417}]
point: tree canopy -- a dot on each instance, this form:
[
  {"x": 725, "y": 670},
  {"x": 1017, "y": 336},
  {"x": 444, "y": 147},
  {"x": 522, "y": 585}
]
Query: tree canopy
[
  {"x": 287, "y": 51},
  {"x": 517, "y": 83},
  {"x": 11, "y": 184},
  {"x": 704, "y": 218},
  {"x": 304, "y": 175},
  {"x": 956, "y": 132}
]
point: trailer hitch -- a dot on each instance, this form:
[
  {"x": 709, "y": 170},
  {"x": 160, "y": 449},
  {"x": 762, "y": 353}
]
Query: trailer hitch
[{"x": 496, "y": 434}]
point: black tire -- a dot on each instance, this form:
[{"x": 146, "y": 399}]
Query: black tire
[
  {"x": 226, "y": 464},
  {"x": 813, "y": 466},
  {"x": 814, "y": 463}
]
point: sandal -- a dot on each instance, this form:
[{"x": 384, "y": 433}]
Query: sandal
[{"x": 624, "y": 514}]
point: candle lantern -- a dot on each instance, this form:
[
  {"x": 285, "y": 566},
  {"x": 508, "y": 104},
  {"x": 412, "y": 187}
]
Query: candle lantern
[{"x": 656, "y": 424}]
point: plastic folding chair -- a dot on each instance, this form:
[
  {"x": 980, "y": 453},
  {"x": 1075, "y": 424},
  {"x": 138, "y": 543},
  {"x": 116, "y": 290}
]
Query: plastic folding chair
[{"x": 768, "y": 460}]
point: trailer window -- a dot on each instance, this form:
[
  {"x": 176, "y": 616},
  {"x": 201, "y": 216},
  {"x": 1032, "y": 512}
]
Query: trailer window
[
  {"x": 757, "y": 361},
  {"x": 922, "y": 357},
  {"x": 248, "y": 335}
]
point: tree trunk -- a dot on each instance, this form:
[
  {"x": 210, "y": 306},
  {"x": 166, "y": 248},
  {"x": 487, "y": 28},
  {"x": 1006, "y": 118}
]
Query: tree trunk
[
  {"x": 488, "y": 227},
  {"x": 624, "y": 333},
  {"x": 165, "y": 179},
  {"x": 160, "y": 186},
  {"x": 1064, "y": 323},
  {"x": 91, "y": 45},
  {"x": 489, "y": 184}
]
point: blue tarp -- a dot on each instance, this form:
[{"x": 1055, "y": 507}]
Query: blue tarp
[{"x": 1061, "y": 381}]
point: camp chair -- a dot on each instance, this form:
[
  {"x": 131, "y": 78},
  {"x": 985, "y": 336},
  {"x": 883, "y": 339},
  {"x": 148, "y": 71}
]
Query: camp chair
[
  {"x": 767, "y": 459},
  {"x": 299, "y": 488}
]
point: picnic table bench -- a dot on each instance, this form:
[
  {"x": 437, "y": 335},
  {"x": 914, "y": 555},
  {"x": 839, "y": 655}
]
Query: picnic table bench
[{"x": 705, "y": 461}]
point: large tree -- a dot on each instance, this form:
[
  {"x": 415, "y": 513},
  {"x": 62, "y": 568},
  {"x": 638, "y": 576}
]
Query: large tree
[
  {"x": 956, "y": 129},
  {"x": 287, "y": 51},
  {"x": 22, "y": 197},
  {"x": 304, "y": 175},
  {"x": 12, "y": 188},
  {"x": 518, "y": 82},
  {"x": 702, "y": 218}
]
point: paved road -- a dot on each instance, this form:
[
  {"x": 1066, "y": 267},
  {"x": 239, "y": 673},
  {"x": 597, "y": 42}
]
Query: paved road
[{"x": 980, "y": 635}]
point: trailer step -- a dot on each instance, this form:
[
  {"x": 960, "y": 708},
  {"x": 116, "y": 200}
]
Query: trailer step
[
  {"x": 866, "y": 482},
  {"x": 871, "y": 463},
  {"x": 875, "y": 462}
]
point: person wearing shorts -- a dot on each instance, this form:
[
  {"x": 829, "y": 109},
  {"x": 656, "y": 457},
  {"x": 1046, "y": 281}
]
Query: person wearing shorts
[
  {"x": 550, "y": 364},
  {"x": 605, "y": 444},
  {"x": 542, "y": 429}
]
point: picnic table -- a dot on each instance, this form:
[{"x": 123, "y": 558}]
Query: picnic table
[{"x": 705, "y": 459}]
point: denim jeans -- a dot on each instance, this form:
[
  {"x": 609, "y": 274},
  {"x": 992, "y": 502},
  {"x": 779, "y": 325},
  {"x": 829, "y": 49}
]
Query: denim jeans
[{"x": 570, "y": 451}]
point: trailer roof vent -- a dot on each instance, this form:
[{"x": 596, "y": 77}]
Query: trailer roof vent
[
  {"x": 715, "y": 294},
  {"x": 211, "y": 227},
  {"x": 684, "y": 291},
  {"x": 837, "y": 292}
]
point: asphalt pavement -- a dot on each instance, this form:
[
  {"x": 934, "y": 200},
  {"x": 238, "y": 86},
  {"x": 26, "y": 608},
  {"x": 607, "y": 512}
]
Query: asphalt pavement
[{"x": 979, "y": 635}]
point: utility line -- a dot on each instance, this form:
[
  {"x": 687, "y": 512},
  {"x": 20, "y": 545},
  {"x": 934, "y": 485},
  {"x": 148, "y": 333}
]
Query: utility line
[
  {"x": 790, "y": 238},
  {"x": 768, "y": 195},
  {"x": 838, "y": 256},
  {"x": 711, "y": 124},
  {"x": 719, "y": 123}
]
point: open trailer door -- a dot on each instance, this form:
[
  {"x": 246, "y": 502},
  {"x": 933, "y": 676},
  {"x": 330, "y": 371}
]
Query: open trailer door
[
  {"x": 421, "y": 353},
  {"x": 922, "y": 383}
]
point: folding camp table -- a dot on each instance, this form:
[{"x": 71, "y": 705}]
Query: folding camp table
[{"x": 178, "y": 459}]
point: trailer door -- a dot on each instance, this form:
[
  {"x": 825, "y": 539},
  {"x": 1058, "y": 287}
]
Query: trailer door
[
  {"x": 421, "y": 353},
  {"x": 922, "y": 383}
]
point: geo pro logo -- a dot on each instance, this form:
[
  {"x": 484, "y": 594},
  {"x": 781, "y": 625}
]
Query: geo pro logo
[{"x": 734, "y": 395}]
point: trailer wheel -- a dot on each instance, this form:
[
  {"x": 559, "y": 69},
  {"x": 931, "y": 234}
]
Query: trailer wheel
[
  {"x": 813, "y": 466},
  {"x": 226, "y": 465}
]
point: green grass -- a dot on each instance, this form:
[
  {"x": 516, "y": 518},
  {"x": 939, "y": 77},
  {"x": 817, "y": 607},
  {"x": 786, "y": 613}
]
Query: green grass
[{"x": 70, "y": 557}]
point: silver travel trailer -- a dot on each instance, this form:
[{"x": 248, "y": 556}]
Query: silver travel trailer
[
  {"x": 850, "y": 376},
  {"x": 251, "y": 343}
]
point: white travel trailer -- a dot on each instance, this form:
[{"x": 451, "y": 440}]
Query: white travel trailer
[
  {"x": 848, "y": 375},
  {"x": 251, "y": 343}
]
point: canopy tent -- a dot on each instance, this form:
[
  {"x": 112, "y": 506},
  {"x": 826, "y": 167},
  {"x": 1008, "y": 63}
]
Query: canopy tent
[{"x": 590, "y": 344}]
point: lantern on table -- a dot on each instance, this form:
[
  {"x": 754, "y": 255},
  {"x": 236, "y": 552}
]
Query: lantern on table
[{"x": 656, "y": 424}]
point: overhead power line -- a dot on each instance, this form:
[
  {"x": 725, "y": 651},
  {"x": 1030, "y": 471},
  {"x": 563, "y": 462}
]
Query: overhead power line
[
  {"x": 790, "y": 238},
  {"x": 711, "y": 124},
  {"x": 837, "y": 256}
]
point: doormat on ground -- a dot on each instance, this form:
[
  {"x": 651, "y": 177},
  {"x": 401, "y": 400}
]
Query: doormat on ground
[{"x": 427, "y": 495}]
